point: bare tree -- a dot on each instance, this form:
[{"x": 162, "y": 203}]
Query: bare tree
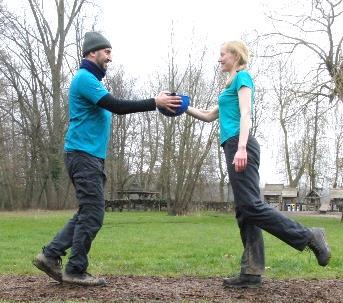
[
  {"x": 320, "y": 33},
  {"x": 122, "y": 140},
  {"x": 53, "y": 44},
  {"x": 292, "y": 114},
  {"x": 7, "y": 184},
  {"x": 192, "y": 139},
  {"x": 338, "y": 150},
  {"x": 260, "y": 69},
  {"x": 33, "y": 69}
]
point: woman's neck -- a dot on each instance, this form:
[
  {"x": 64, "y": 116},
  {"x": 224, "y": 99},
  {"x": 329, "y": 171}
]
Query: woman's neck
[{"x": 231, "y": 75}]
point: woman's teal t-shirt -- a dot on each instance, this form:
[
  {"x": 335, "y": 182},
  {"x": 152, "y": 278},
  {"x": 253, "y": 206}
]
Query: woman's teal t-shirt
[{"x": 229, "y": 113}]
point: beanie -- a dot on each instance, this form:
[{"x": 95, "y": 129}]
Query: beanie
[{"x": 94, "y": 41}]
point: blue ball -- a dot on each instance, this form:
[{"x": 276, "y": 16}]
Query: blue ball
[{"x": 180, "y": 110}]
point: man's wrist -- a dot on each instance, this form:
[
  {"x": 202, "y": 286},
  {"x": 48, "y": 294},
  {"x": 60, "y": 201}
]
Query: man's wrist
[{"x": 242, "y": 147}]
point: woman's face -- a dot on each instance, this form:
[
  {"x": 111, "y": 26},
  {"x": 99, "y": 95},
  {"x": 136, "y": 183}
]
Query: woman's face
[{"x": 227, "y": 60}]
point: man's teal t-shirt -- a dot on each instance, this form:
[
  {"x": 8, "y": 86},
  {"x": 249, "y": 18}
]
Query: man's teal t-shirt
[
  {"x": 229, "y": 113},
  {"x": 89, "y": 124}
]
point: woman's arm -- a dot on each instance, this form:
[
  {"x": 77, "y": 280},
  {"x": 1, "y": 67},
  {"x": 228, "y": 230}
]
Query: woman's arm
[
  {"x": 241, "y": 156},
  {"x": 244, "y": 96},
  {"x": 206, "y": 115}
]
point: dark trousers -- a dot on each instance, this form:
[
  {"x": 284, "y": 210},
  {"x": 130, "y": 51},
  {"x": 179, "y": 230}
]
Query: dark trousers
[
  {"x": 88, "y": 177},
  {"x": 253, "y": 214}
]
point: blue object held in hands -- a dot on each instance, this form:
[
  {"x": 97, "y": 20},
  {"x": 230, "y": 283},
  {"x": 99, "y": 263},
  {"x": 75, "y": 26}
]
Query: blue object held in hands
[{"x": 178, "y": 111}]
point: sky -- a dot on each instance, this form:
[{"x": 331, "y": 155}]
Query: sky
[{"x": 140, "y": 30}]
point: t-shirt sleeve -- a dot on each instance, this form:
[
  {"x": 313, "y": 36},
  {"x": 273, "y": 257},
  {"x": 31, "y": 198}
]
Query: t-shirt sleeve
[
  {"x": 244, "y": 79},
  {"x": 91, "y": 89}
]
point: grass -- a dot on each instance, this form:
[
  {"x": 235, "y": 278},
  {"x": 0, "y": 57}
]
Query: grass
[{"x": 152, "y": 243}]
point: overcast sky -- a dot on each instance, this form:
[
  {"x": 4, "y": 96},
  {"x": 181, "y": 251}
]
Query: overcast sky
[{"x": 140, "y": 30}]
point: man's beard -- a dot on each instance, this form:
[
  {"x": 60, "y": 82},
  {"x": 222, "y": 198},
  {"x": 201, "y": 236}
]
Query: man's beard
[{"x": 102, "y": 64}]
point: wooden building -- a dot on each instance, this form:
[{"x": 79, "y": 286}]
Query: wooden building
[
  {"x": 272, "y": 194},
  {"x": 290, "y": 199},
  {"x": 336, "y": 199},
  {"x": 311, "y": 201}
]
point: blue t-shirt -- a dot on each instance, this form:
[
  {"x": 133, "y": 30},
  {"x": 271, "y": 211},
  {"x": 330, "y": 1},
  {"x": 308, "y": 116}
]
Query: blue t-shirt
[
  {"x": 229, "y": 113},
  {"x": 89, "y": 124}
]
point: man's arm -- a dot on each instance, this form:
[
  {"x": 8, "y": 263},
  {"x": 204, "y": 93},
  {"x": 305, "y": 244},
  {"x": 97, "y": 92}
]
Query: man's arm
[{"x": 122, "y": 107}]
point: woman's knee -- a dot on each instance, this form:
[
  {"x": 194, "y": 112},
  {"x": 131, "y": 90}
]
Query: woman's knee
[{"x": 252, "y": 209}]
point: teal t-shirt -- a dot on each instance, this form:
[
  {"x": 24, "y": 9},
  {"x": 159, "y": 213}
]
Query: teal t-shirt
[
  {"x": 229, "y": 113},
  {"x": 89, "y": 124}
]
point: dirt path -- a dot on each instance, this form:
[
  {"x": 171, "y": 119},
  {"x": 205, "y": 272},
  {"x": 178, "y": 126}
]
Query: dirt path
[
  {"x": 157, "y": 289},
  {"x": 336, "y": 214}
]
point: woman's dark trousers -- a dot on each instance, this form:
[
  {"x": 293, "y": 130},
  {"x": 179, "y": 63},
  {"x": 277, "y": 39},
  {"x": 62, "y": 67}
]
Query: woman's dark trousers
[{"x": 253, "y": 214}]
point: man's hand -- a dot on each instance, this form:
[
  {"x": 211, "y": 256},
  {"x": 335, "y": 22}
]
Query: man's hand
[{"x": 165, "y": 100}]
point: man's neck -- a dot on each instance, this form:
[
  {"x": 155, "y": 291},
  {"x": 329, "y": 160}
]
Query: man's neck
[{"x": 93, "y": 68}]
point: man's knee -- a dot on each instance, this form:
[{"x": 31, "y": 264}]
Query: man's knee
[{"x": 92, "y": 216}]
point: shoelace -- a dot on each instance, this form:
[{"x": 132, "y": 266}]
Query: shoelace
[{"x": 58, "y": 261}]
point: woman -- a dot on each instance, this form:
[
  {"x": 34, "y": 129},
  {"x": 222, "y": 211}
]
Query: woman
[{"x": 242, "y": 153}]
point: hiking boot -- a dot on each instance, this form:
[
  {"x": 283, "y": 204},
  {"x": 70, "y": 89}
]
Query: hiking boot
[
  {"x": 243, "y": 281},
  {"x": 84, "y": 279},
  {"x": 51, "y": 266},
  {"x": 319, "y": 246}
]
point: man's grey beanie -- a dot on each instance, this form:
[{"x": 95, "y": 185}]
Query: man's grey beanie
[{"x": 94, "y": 41}]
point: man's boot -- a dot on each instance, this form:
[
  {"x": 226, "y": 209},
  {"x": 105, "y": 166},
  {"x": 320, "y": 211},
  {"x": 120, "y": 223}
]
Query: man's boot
[
  {"x": 51, "y": 266},
  {"x": 84, "y": 279}
]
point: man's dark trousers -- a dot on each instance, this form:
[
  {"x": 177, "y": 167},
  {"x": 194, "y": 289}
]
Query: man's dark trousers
[
  {"x": 253, "y": 214},
  {"x": 88, "y": 177}
]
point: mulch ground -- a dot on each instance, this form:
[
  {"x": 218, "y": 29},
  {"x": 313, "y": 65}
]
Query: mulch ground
[{"x": 160, "y": 289}]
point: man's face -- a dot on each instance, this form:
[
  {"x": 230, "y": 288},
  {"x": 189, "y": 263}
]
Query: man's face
[{"x": 103, "y": 57}]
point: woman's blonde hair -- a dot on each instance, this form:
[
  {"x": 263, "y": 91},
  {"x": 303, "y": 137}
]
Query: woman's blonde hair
[{"x": 239, "y": 49}]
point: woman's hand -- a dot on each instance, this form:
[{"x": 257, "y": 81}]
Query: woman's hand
[{"x": 241, "y": 159}]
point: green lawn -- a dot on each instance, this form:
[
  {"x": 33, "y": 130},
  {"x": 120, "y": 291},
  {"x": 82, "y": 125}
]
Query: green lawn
[{"x": 150, "y": 243}]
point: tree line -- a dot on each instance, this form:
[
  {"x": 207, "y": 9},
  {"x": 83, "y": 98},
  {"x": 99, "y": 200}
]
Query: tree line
[{"x": 176, "y": 156}]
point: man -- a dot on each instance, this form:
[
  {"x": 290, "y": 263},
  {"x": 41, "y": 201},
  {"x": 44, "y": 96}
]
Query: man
[{"x": 90, "y": 112}]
